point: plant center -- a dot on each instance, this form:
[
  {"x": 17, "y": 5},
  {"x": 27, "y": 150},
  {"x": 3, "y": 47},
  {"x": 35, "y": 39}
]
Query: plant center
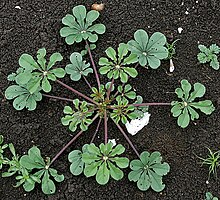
[
  {"x": 185, "y": 104},
  {"x": 117, "y": 66},
  {"x": 144, "y": 53},
  {"x": 105, "y": 158}
]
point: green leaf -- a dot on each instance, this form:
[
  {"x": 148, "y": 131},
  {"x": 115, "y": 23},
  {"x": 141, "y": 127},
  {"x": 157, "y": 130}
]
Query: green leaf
[
  {"x": 156, "y": 181},
  {"x": 183, "y": 119},
  {"x": 199, "y": 91},
  {"x": 23, "y": 78},
  {"x": 121, "y": 161},
  {"x": 91, "y": 17},
  {"x": 58, "y": 72},
  {"x": 144, "y": 182},
  {"x": 136, "y": 165},
  {"x": 75, "y": 157},
  {"x": 186, "y": 86},
  {"x": 55, "y": 57},
  {"x": 57, "y": 177},
  {"x": 141, "y": 37},
  {"x": 91, "y": 169},
  {"x": 161, "y": 169},
  {"x": 214, "y": 63},
  {"x": 41, "y": 53},
  {"x": 46, "y": 85},
  {"x": 131, "y": 71},
  {"x": 111, "y": 53},
  {"x": 115, "y": 172},
  {"x": 122, "y": 51},
  {"x": 132, "y": 58},
  {"x": 118, "y": 150},
  {"x": 28, "y": 63},
  {"x": 102, "y": 176},
  {"x": 48, "y": 186},
  {"x": 205, "y": 106}
]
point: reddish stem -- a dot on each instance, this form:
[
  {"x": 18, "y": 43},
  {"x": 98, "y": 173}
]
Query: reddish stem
[
  {"x": 87, "y": 82},
  {"x": 127, "y": 138},
  {"x": 56, "y": 97},
  {"x": 96, "y": 131},
  {"x": 70, "y": 142},
  {"x": 106, "y": 127},
  {"x": 149, "y": 104},
  {"x": 76, "y": 92},
  {"x": 93, "y": 64}
]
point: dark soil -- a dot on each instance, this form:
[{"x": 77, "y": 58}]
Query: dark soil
[{"x": 37, "y": 25}]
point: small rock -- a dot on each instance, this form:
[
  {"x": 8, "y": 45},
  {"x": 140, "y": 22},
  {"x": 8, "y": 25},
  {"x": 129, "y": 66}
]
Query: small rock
[
  {"x": 18, "y": 7},
  {"x": 180, "y": 29}
]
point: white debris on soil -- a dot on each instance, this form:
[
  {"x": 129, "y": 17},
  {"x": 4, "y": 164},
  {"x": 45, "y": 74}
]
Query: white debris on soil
[
  {"x": 171, "y": 66},
  {"x": 180, "y": 29},
  {"x": 207, "y": 182},
  {"x": 113, "y": 141},
  {"x": 186, "y": 12},
  {"x": 136, "y": 125},
  {"x": 197, "y": 1},
  {"x": 18, "y": 7}
]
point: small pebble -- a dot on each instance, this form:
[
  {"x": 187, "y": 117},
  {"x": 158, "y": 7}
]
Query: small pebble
[
  {"x": 180, "y": 29},
  {"x": 207, "y": 182},
  {"x": 186, "y": 12},
  {"x": 18, "y": 7}
]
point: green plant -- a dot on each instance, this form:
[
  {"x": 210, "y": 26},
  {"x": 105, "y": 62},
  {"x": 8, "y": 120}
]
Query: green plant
[
  {"x": 113, "y": 102},
  {"x": 148, "y": 171},
  {"x": 148, "y": 50},
  {"x": 209, "y": 196},
  {"x": 213, "y": 161},
  {"x": 30, "y": 169},
  {"x": 79, "y": 26},
  {"x": 207, "y": 55},
  {"x": 101, "y": 162},
  {"x": 185, "y": 110}
]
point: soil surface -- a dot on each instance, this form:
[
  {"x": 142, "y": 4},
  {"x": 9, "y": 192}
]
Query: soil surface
[{"x": 37, "y": 25}]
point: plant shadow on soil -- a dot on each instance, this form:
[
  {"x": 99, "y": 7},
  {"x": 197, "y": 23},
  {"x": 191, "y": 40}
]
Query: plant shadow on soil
[{"x": 37, "y": 25}]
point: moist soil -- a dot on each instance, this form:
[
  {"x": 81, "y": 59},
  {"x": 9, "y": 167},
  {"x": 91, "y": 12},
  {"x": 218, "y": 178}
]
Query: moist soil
[{"x": 37, "y": 25}]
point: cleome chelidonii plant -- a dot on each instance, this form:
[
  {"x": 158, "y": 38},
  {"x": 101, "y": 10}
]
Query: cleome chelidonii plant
[{"x": 106, "y": 102}]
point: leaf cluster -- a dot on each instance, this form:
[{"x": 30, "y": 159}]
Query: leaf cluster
[
  {"x": 185, "y": 110},
  {"x": 149, "y": 51},
  {"x": 79, "y": 116},
  {"x": 103, "y": 162},
  {"x": 116, "y": 64},
  {"x": 79, "y": 26},
  {"x": 207, "y": 55},
  {"x": 30, "y": 169},
  {"x": 148, "y": 171},
  {"x": 32, "y": 77}
]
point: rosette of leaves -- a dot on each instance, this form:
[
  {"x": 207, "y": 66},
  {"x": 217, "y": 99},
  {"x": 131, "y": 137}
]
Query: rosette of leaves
[
  {"x": 104, "y": 162},
  {"x": 148, "y": 50},
  {"x": 115, "y": 66},
  {"x": 140, "y": 110},
  {"x": 207, "y": 55},
  {"x": 148, "y": 171},
  {"x": 185, "y": 110},
  {"x": 125, "y": 93},
  {"x": 78, "y": 116},
  {"x": 79, "y": 26},
  {"x": 32, "y": 162},
  {"x": 35, "y": 75},
  {"x": 78, "y": 67},
  {"x": 122, "y": 111},
  {"x": 23, "y": 98}
]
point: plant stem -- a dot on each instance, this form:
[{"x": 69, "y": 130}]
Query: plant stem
[
  {"x": 87, "y": 82},
  {"x": 110, "y": 88},
  {"x": 96, "y": 131},
  {"x": 76, "y": 92},
  {"x": 150, "y": 104},
  {"x": 106, "y": 127},
  {"x": 127, "y": 138},
  {"x": 93, "y": 64},
  {"x": 56, "y": 97},
  {"x": 69, "y": 143}
]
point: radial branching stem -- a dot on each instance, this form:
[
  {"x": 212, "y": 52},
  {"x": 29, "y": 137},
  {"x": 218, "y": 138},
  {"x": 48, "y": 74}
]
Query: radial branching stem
[
  {"x": 77, "y": 92},
  {"x": 59, "y": 98},
  {"x": 96, "y": 131},
  {"x": 106, "y": 126},
  {"x": 70, "y": 142},
  {"x": 93, "y": 64},
  {"x": 150, "y": 104},
  {"x": 128, "y": 140}
]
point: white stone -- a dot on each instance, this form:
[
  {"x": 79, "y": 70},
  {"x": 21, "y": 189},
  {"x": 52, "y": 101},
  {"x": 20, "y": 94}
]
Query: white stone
[
  {"x": 180, "y": 29},
  {"x": 18, "y": 7},
  {"x": 171, "y": 66},
  {"x": 134, "y": 126},
  {"x": 186, "y": 12}
]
